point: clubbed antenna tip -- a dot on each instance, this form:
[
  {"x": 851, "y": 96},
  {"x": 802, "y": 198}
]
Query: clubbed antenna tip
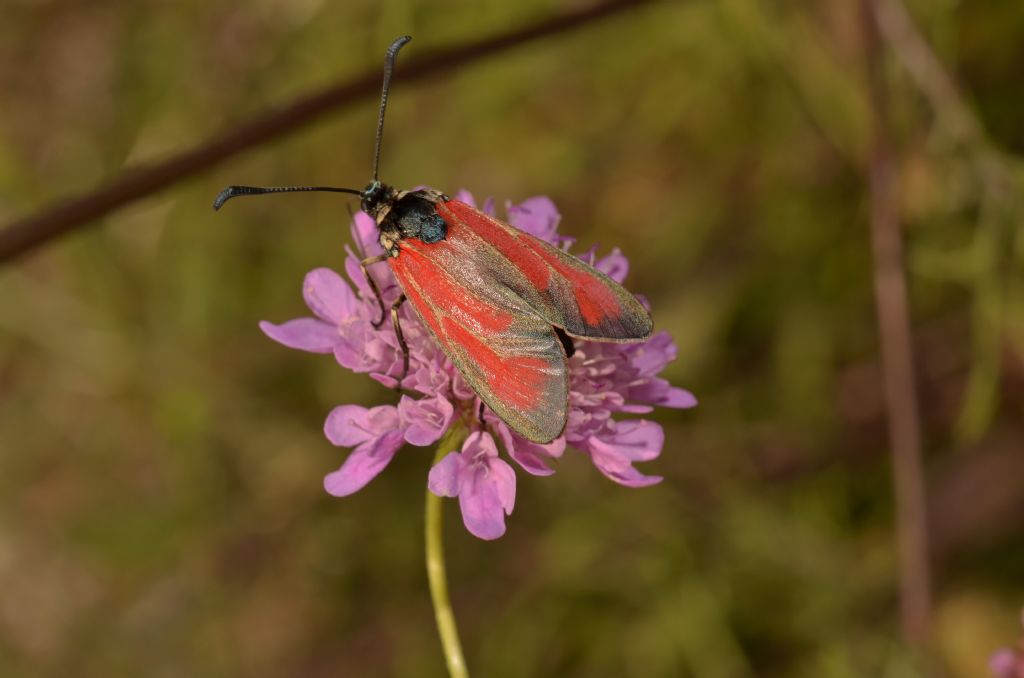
[{"x": 233, "y": 191}]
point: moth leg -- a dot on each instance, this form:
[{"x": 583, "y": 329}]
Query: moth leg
[
  {"x": 373, "y": 284},
  {"x": 401, "y": 338},
  {"x": 480, "y": 414}
]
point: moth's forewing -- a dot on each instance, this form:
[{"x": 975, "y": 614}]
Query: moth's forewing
[
  {"x": 491, "y": 294},
  {"x": 507, "y": 352},
  {"x": 565, "y": 291}
]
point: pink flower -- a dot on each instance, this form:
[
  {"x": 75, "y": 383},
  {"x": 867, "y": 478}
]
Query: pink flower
[
  {"x": 484, "y": 484},
  {"x": 606, "y": 380}
]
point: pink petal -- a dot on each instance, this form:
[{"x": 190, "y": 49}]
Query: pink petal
[
  {"x": 428, "y": 377},
  {"x": 364, "y": 233},
  {"x": 530, "y": 461},
  {"x": 614, "y": 454},
  {"x": 486, "y": 494},
  {"x": 504, "y": 480},
  {"x": 479, "y": 447},
  {"x": 679, "y": 398},
  {"x": 425, "y": 420},
  {"x": 355, "y": 274},
  {"x": 382, "y": 275},
  {"x": 1003, "y": 664},
  {"x": 635, "y": 409},
  {"x": 385, "y": 380},
  {"x": 363, "y": 465},
  {"x": 486, "y": 487},
  {"x": 349, "y": 425},
  {"x": 588, "y": 257},
  {"x": 537, "y": 216},
  {"x": 305, "y": 334},
  {"x": 638, "y": 439},
  {"x": 531, "y": 456},
  {"x": 658, "y": 391},
  {"x": 617, "y": 467},
  {"x": 444, "y": 476},
  {"x": 615, "y": 265},
  {"x": 465, "y": 196},
  {"x": 650, "y": 357},
  {"x": 364, "y": 349},
  {"x": 461, "y": 388},
  {"x": 328, "y": 296}
]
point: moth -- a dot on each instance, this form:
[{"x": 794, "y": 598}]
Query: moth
[{"x": 503, "y": 305}]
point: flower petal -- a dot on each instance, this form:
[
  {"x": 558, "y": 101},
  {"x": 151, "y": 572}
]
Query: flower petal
[
  {"x": 355, "y": 274},
  {"x": 350, "y": 425},
  {"x": 479, "y": 447},
  {"x": 638, "y": 439},
  {"x": 1003, "y": 664},
  {"x": 444, "y": 476},
  {"x": 364, "y": 349},
  {"x": 617, "y": 467},
  {"x": 650, "y": 357},
  {"x": 364, "y": 233},
  {"x": 425, "y": 420},
  {"x": 635, "y": 409},
  {"x": 678, "y": 397},
  {"x": 486, "y": 494},
  {"x": 381, "y": 275},
  {"x": 614, "y": 453},
  {"x": 305, "y": 334},
  {"x": 615, "y": 265},
  {"x": 465, "y": 196},
  {"x": 488, "y": 207},
  {"x": 537, "y": 216},
  {"x": 504, "y": 480},
  {"x": 531, "y": 456},
  {"x": 385, "y": 380},
  {"x": 461, "y": 388},
  {"x": 657, "y": 391},
  {"x": 328, "y": 296},
  {"x": 363, "y": 465}
]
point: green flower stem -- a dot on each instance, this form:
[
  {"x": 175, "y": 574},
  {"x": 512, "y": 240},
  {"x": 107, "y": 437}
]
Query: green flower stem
[{"x": 436, "y": 574}]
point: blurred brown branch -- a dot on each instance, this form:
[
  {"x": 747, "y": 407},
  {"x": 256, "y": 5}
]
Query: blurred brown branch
[
  {"x": 71, "y": 213},
  {"x": 898, "y": 373},
  {"x": 925, "y": 68},
  {"x": 996, "y": 173}
]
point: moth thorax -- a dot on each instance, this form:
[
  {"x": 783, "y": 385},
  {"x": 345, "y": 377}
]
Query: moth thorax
[{"x": 416, "y": 217}]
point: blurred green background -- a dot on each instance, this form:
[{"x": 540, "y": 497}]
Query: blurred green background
[{"x": 161, "y": 510}]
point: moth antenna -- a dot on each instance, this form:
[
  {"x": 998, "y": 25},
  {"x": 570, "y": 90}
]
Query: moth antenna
[
  {"x": 235, "y": 191},
  {"x": 389, "y": 68}
]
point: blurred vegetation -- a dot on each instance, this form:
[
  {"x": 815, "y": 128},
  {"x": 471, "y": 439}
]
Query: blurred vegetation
[{"x": 162, "y": 513}]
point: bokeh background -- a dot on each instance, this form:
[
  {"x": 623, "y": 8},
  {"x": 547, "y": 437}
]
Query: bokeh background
[{"x": 161, "y": 510}]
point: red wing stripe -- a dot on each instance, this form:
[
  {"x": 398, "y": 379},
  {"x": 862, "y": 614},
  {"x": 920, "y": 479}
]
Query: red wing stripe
[
  {"x": 459, "y": 302},
  {"x": 563, "y": 290},
  {"x": 596, "y": 302},
  {"x": 505, "y": 242},
  {"x": 517, "y": 380}
]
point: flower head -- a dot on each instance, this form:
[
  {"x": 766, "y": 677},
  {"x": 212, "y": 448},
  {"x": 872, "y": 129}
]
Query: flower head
[{"x": 606, "y": 379}]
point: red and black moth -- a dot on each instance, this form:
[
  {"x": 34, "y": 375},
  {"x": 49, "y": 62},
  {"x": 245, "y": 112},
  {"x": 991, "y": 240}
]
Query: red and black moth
[{"x": 503, "y": 305}]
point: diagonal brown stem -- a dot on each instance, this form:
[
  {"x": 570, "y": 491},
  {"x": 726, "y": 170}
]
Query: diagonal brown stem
[
  {"x": 892, "y": 308},
  {"x": 71, "y": 213}
]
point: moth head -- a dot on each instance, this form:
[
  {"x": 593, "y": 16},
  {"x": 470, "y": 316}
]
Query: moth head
[{"x": 377, "y": 199}]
